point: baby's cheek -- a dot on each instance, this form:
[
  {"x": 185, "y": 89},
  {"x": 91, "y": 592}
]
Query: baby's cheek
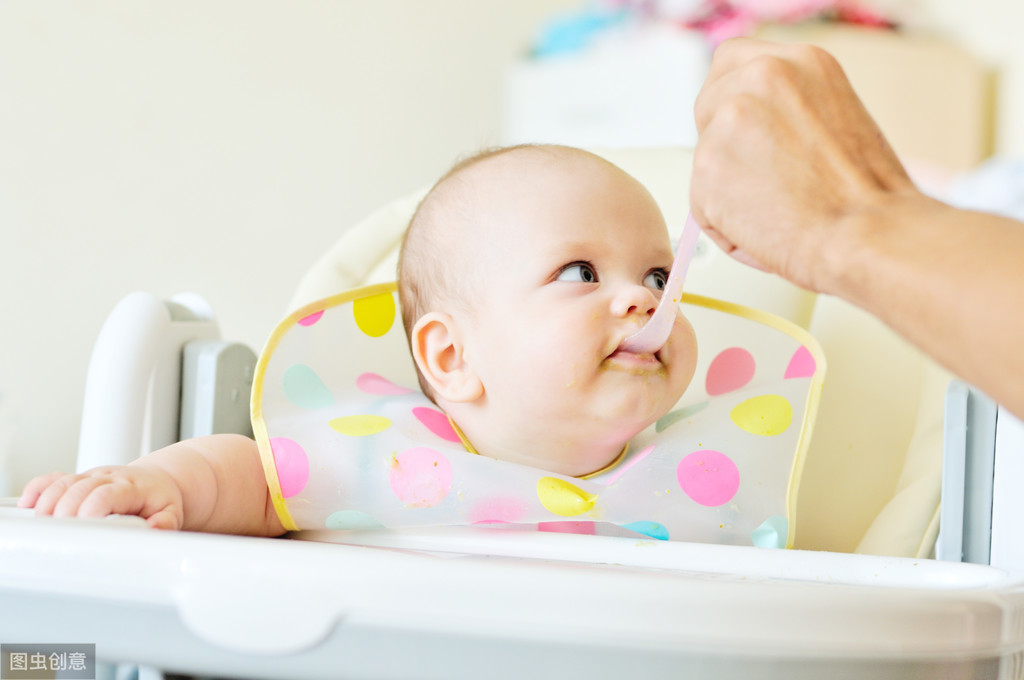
[
  {"x": 552, "y": 363},
  {"x": 536, "y": 379},
  {"x": 683, "y": 348}
]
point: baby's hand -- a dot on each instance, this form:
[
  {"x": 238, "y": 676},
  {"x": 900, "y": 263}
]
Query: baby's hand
[{"x": 146, "y": 491}]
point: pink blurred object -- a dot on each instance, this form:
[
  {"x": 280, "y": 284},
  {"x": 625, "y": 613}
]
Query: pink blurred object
[
  {"x": 720, "y": 20},
  {"x": 784, "y": 11}
]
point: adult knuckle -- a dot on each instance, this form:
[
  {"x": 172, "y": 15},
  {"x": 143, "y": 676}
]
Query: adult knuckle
[
  {"x": 703, "y": 111},
  {"x": 703, "y": 159},
  {"x": 706, "y": 162},
  {"x": 705, "y": 171},
  {"x": 737, "y": 112},
  {"x": 725, "y": 49},
  {"x": 767, "y": 71},
  {"x": 816, "y": 58}
]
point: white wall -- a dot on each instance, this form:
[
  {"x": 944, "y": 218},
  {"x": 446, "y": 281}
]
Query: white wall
[
  {"x": 211, "y": 146},
  {"x": 220, "y": 146},
  {"x": 990, "y": 29}
]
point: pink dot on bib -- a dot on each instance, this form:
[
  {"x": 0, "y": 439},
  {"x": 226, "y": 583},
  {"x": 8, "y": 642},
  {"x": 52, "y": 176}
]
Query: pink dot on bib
[
  {"x": 292, "y": 465},
  {"x": 497, "y": 511},
  {"x": 436, "y": 422},
  {"x": 801, "y": 365},
  {"x": 371, "y": 383},
  {"x": 581, "y": 528},
  {"x": 710, "y": 478},
  {"x": 374, "y": 314},
  {"x": 730, "y": 370},
  {"x": 311, "y": 318},
  {"x": 420, "y": 477}
]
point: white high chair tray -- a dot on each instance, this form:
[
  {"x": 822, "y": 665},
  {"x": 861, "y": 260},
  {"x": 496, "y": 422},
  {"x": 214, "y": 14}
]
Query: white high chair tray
[{"x": 498, "y": 603}]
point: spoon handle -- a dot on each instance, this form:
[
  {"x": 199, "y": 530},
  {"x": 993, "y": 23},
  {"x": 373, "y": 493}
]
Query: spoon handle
[{"x": 653, "y": 335}]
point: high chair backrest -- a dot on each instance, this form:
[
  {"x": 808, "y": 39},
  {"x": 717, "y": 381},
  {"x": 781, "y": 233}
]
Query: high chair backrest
[
  {"x": 873, "y": 473},
  {"x": 159, "y": 373}
]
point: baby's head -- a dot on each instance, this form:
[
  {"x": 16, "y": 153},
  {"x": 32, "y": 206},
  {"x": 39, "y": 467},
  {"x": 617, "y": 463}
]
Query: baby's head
[{"x": 521, "y": 273}]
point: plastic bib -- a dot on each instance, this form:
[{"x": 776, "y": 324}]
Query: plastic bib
[{"x": 348, "y": 441}]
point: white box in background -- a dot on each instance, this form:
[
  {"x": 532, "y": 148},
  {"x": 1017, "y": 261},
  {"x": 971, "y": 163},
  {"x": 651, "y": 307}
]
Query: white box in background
[{"x": 633, "y": 87}]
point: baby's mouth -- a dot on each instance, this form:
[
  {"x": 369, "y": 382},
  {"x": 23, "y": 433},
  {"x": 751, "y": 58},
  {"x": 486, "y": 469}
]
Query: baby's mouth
[{"x": 634, "y": 360}]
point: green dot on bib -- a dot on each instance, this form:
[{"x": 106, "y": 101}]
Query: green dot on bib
[
  {"x": 304, "y": 388},
  {"x": 352, "y": 519},
  {"x": 651, "y": 529}
]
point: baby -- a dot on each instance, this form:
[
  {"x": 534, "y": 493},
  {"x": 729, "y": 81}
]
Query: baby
[{"x": 521, "y": 273}]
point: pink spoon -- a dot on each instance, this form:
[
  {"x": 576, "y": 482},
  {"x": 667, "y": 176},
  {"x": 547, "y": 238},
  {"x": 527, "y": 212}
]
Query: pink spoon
[{"x": 653, "y": 335}]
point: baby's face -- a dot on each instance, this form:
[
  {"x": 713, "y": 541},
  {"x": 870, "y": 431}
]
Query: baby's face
[{"x": 572, "y": 262}]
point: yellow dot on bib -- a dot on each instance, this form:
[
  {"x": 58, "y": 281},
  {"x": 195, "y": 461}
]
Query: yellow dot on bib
[
  {"x": 563, "y": 498},
  {"x": 360, "y": 426},
  {"x": 374, "y": 314},
  {"x": 766, "y": 415}
]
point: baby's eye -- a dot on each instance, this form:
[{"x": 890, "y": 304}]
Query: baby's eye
[
  {"x": 578, "y": 271},
  {"x": 656, "y": 279}
]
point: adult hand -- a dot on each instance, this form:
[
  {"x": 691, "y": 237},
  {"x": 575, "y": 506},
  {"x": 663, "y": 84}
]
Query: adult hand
[
  {"x": 786, "y": 152},
  {"x": 793, "y": 176}
]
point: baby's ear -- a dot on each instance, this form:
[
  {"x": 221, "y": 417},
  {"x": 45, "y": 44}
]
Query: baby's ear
[{"x": 439, "y": 354}]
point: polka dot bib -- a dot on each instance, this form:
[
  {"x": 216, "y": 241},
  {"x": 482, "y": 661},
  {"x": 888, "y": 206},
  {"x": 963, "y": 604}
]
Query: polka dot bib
[{"x": 348, "y": 441}]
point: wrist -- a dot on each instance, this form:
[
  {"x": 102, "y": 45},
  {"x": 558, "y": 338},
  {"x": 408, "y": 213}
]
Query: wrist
[{"x": 863, "y": 245}]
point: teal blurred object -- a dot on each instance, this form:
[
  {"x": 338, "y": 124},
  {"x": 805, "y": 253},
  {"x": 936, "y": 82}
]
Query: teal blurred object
[{"x": 573, "y": 31}]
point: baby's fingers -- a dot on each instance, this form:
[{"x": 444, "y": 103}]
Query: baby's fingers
[
  {"x": 110, "y": 497},
  {"x": 165, "y": 519},
  {"x": 64, "y": 497},
  {"x": 131, "y": 495},
  {"x": 30, "y": 495},
  {"x": 53, "y": 494}
]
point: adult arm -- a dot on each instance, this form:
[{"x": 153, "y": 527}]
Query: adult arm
[{"x": 792, "y": 175}]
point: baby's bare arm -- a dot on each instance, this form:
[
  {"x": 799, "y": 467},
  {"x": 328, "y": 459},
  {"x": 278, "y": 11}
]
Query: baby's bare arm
[{"x": 212, "y": 484}]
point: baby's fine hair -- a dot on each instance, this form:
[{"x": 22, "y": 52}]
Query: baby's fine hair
[{"x": 426, "y": 278}]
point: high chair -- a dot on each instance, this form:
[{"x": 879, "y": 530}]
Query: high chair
[{"x": 470, "y": 602}]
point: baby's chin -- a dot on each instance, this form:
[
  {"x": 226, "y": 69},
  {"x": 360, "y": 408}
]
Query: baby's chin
[
  {"x": 585, "y": 466},
  {"x": 587, "y": 460},
  {"x": 572, "y": 445},
  {"x": 632, "y": 412},
  {"x": 571, "y": 461}
]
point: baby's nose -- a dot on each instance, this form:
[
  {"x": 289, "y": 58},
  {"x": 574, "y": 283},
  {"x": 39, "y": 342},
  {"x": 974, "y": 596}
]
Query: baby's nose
[{"x": 634, "y": 300}]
